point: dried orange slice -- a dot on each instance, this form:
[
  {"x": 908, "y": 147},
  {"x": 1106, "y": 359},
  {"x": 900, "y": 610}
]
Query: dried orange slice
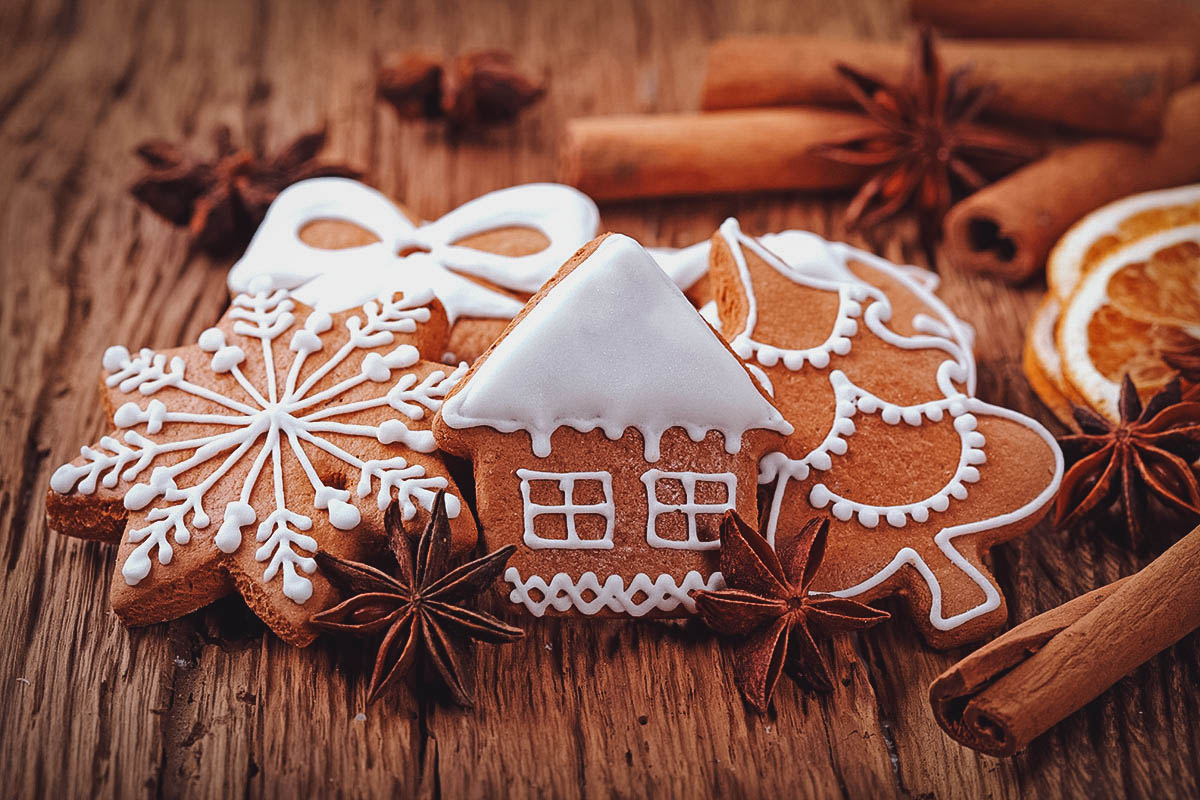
[
  {"x": 1139, "y": 300},
  {"x": 1043, "y": 366},
  {"x": 1111, "y": 227}
]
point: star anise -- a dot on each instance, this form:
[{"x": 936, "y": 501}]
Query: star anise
[
  {"x": 930, "y": 150},
  {"x": 422, "y": 610},
  {"x": 478, "y": 88},
  {"x": 1150, "y": 452},
  {"x": 768, "y": 610},
  {"x": 222, "y": 200}
]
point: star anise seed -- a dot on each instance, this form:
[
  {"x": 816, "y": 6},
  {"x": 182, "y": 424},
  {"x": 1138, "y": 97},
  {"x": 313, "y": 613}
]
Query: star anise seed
[
  {"x": 222, "y": 201},
  {"x": 422, "y": 610},
  {"x": 768, "y": 612},
  {"x": 1150, "y": 452},
  {"x": 930, "y": 151}
]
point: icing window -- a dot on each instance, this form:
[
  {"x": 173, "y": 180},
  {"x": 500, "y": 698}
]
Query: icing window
[
  {"x": 567, "y": 510},
  {"x": 684, "y": 508}
]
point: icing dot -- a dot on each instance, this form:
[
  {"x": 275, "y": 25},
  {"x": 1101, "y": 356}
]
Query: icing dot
[
  {"x": 138, "y": 497},
  {"x": 920, "y": 513},
  {"x": 343, "y": 516},
  {"x": 842, "y": 510},
  {"x": 868, "y": 517},
  {"x": 891, "y": 415},
  {"x": 304, "y": 341},
  {"x": 227, "y": 358},
  {"x": 403, "y": 356},
  {"x": 912, "y": 416},
  {"x": 934, "y": 412},
  {"x": 968, "y": 474},
  {"x": 211, "y": 340},
  {"x": 128, "y": 415},
  {"x": 940, "y": 503},
  {"x": 819, "y": 496},
  {"x": 896, "y": 518},
  {"x": 115, "y": 357},
  {"x": 375, "y": 368},
  {"x": 318, "y": 322}
]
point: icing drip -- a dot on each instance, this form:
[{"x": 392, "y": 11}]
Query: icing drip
[
  {"x": 613, "y": 345},
  {"x": 336, "y": 280},
  {"x": 563, "y": 592},
  {"x": 276, "y": 419}
]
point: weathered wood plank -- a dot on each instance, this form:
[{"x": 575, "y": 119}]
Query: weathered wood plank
[{"x": 212, "y": 705}]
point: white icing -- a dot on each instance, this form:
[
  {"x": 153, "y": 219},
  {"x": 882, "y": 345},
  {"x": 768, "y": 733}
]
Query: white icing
[
  {"x": 1089, "y": 297},
  {"x": 568, "y": 509},
  {"x": 272, "y": 418},
  {"x": 588, "y": 596},
  {"x": 613, "y": 345},
  {"x": 824, "y": 263},
  {"x": 689, "y": 507},
  {"x": 944, "y": 332},
  {"x": 945, "y": 537},
  {"x": 336, "y": 280}
]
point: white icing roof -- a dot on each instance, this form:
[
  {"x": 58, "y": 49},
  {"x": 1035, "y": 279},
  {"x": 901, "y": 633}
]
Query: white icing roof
[{"x": 613, "y": 345}]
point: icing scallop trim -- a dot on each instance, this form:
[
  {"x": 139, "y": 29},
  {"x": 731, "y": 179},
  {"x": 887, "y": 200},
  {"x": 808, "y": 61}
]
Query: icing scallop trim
[{"x": 945, "y": 538}]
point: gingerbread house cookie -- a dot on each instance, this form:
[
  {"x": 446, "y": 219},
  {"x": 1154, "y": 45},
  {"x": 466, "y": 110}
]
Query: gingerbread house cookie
[
  {"x": 878, "y": 379},
  {"x": 610, "y": 428},
  {"x": 281, "y": 431},
  {"x": 482, "y": 260}
]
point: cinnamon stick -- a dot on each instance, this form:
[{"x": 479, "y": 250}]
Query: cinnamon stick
[
  {"x": 1010, "y": 691},
  {"x": 618, "y": 157},
  {"x": 1097, "y": 87},
  {"x": 1007, "y": 229},
  {"x": 1145, "y": 20}
]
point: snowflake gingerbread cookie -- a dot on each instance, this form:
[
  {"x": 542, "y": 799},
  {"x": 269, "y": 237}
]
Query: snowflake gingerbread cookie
[
  {"x": 920, "y": 477},
  {"x": 610, "y": 429},
  {"x": 282, "y": 430},
  {"x": 482, "y": 260}
]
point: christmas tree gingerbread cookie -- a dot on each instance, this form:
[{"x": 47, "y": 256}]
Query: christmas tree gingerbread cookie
[
  {"x": 282, "y": 430},
  {"x": 610, "y": 429},
  {"x": 337, "y": 243},
  {"x": 878, "y": 378}
]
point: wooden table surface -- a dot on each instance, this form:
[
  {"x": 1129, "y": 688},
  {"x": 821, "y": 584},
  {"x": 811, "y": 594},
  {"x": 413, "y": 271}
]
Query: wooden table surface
[{"x": 213, "y": 705}]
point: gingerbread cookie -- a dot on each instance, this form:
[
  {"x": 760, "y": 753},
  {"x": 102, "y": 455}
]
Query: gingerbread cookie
[
  {"x": 878, "y": 379},
  {"x": 483, "y": 260},
  {"x": 281, "y": 431},
  {"x": 610, "y": 428}
]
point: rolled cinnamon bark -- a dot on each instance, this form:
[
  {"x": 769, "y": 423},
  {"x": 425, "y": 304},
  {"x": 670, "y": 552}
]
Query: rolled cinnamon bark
[
  {"x": 619, "y": 157},
  {"x": 1008, "y": 228},
  {"x": 1010, "y": 691},
  {"x": 1147, "y": 20},
  {"x": 1097, "y": 87}
]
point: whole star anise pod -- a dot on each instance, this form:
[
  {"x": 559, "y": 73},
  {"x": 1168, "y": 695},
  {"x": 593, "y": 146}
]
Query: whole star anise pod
[
  {"x": 222, "y": 200},
  {"x": 930, "y": 150},
  {"x": 769, "y": 612},
  {"x": 1150, "y": 452},
  {"x": 421, "y": 610},
  {"x": 476, "y": 89}
]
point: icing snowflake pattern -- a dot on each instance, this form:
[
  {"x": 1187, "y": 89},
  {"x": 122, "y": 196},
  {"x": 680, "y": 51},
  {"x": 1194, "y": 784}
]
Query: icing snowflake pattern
[{"x": 274, "y": 420}]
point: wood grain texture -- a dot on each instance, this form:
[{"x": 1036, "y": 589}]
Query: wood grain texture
[{"x": 212, "y": 705}]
